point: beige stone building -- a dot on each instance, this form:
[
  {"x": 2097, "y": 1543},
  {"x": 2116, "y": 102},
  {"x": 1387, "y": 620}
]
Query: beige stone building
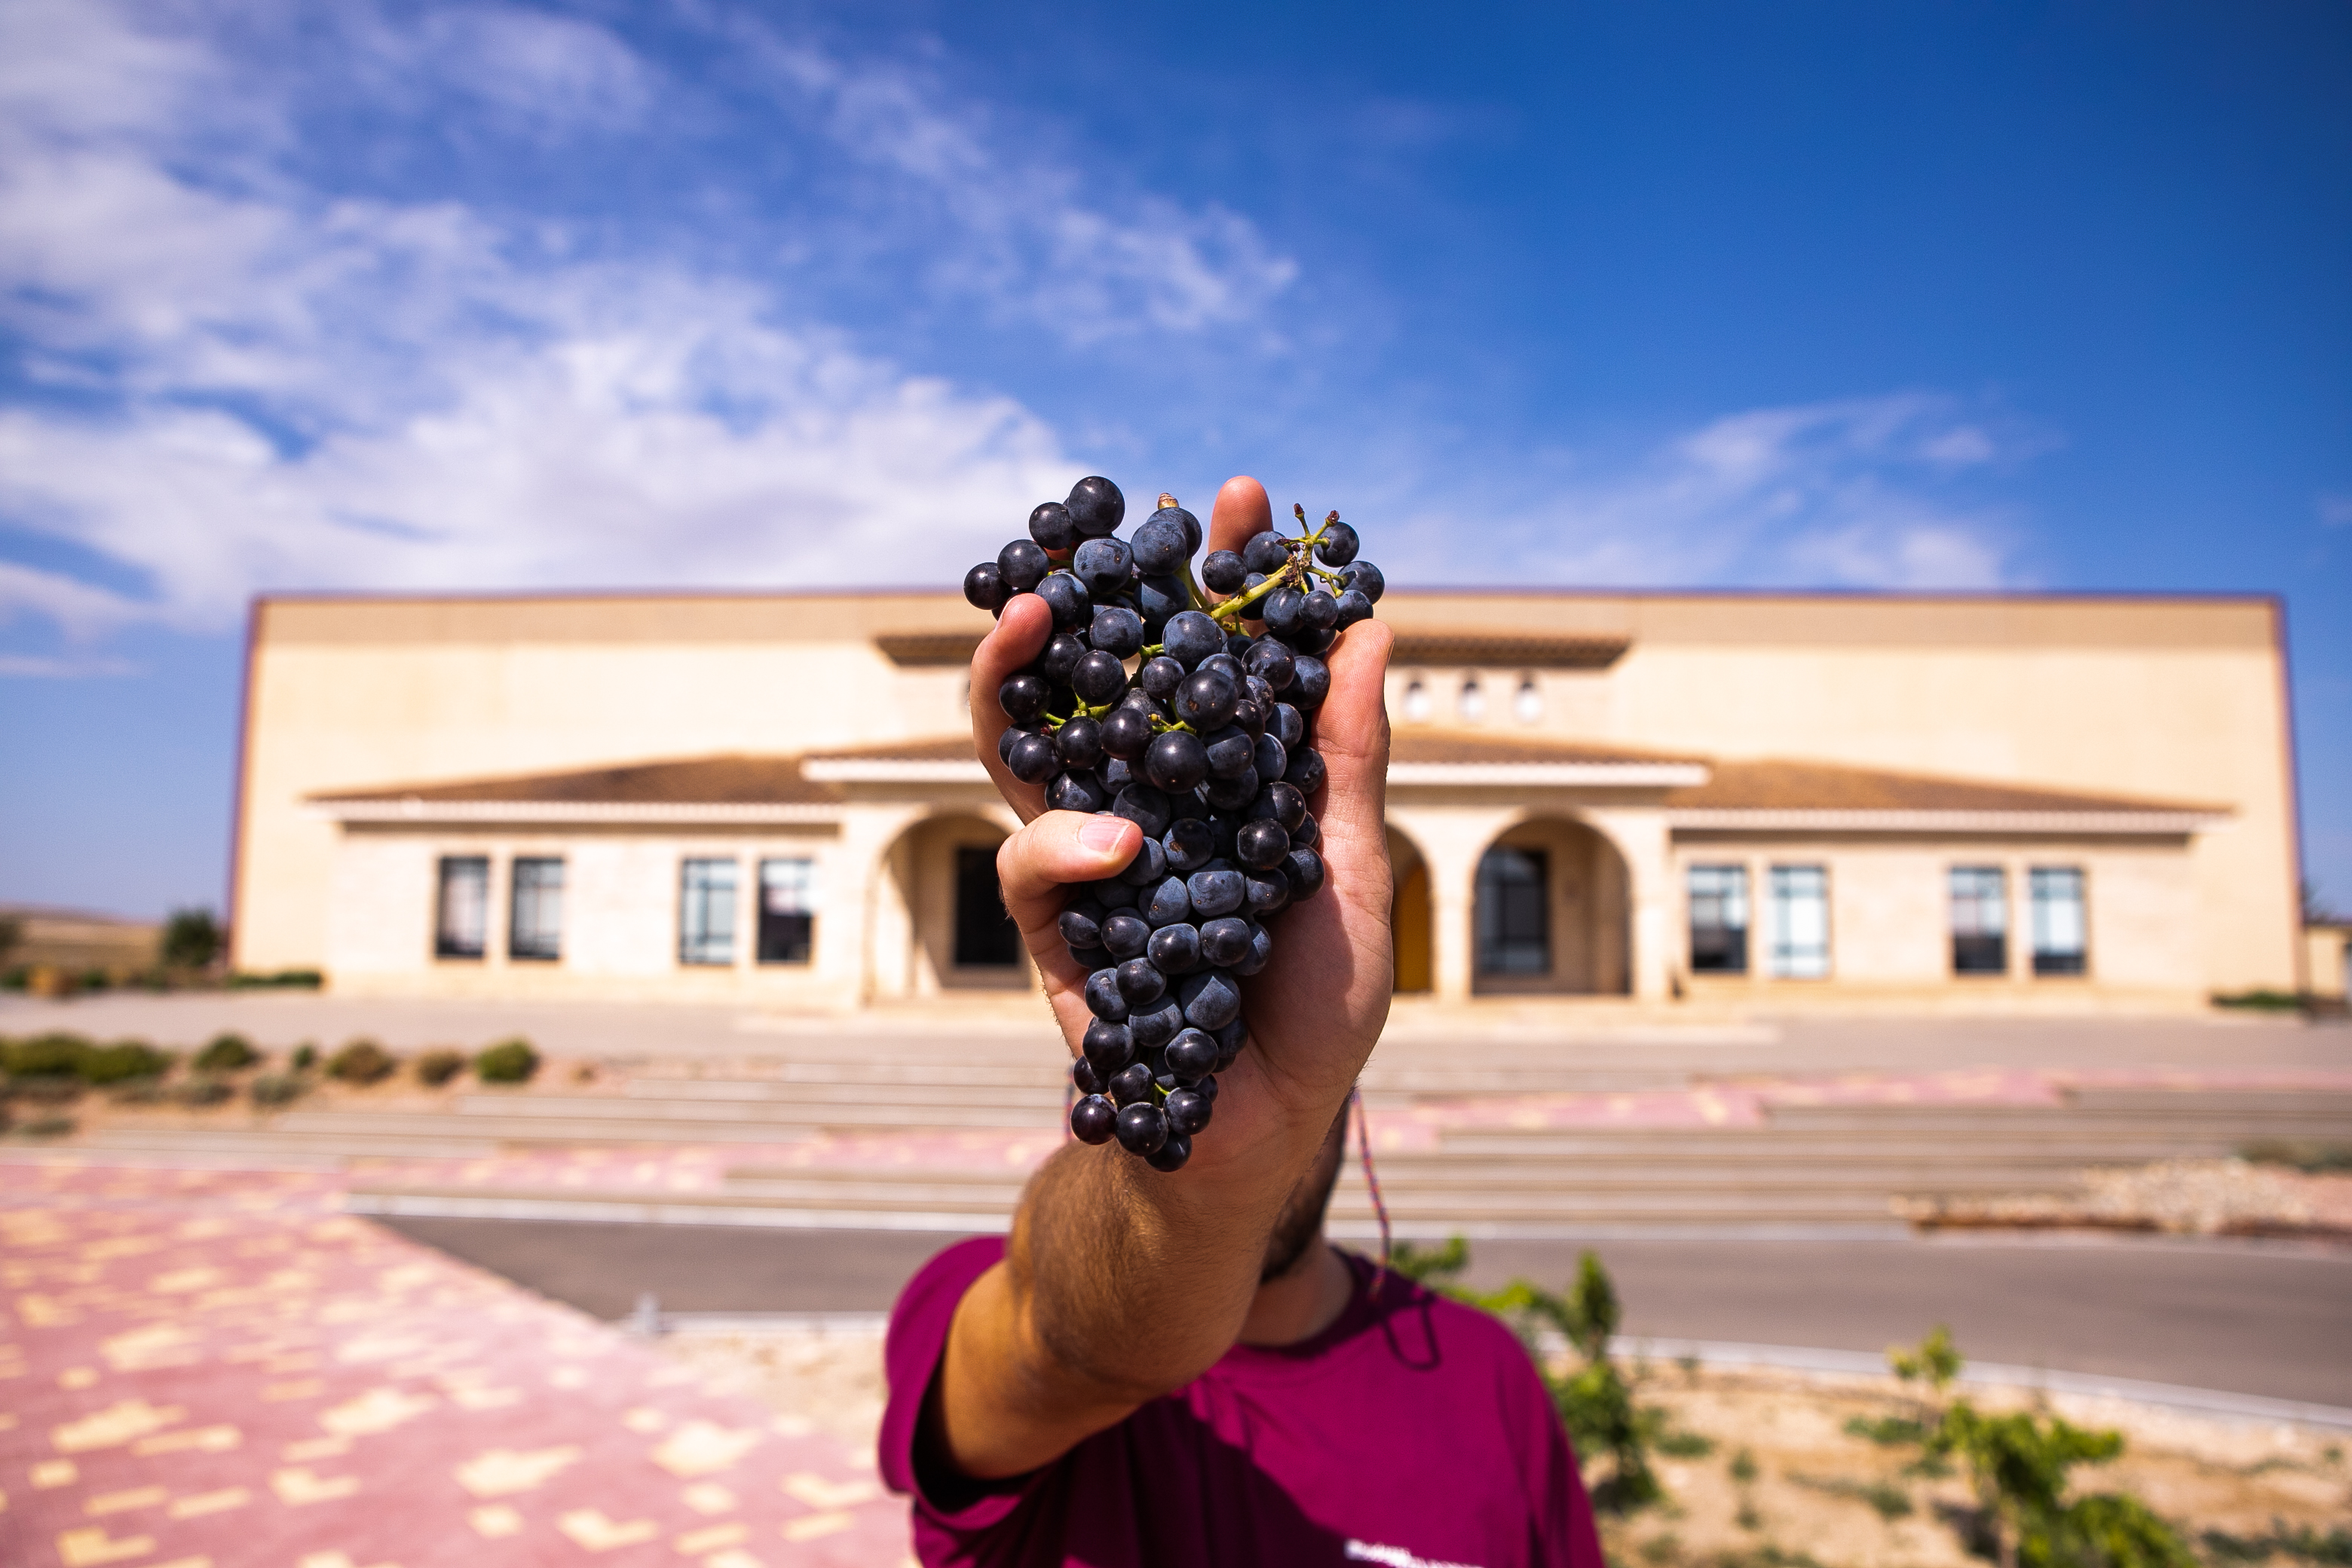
[{"x": 1768, "y": 802}]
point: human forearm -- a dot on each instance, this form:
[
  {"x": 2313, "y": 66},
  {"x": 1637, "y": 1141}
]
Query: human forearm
[{"x": 1119, "y": 1284}]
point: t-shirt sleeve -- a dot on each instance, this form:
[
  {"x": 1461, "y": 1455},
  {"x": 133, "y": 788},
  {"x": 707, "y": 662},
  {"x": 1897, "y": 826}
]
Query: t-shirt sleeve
[
  {"x": 1567, "y": 1535},
  {"x": 911, "y": 1349}
]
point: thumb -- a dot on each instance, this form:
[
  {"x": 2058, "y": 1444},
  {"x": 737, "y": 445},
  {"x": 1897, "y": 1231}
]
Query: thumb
[{"x": 1057, "y": 849}]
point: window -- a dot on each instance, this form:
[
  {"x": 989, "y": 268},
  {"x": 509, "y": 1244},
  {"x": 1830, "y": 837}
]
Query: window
[
  {"x": 705, "y": 912},
  {"x": 1527, "y": 706},
  {"x": 1980, "y": 920},
  {"x": 1416, "y": 701},
  {"x": 535, "y": 929},
  {"x": 461, "y": 921},
  {"x": 1513, "y": 912},
  {"x": 2059, "y": 927},
  {"x": 1800, "y": 923},
  {"x": 1474, "y": 700},
  {"x": 985, "y": 936},
  {"x": 787, "y": 910},
  {"x": 1718, "y": 920}
]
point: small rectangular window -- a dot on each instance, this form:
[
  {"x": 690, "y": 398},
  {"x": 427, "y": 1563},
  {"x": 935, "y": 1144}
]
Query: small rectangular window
[
  {"x": 787, "y": 910},
  {"x": 461, "y": 919},
  {"x": 985, "y": 936},
  {"x": 1800, "y": 923},
  {"x": 705, "y": 912},
  {"x": 1980, "y": 920},
  {"x": 2061, "y": 930},
  {"x": 1514, "y": 911},
  {"x": 1718, "y": 920},
  {"x": 535, "y": 924}
]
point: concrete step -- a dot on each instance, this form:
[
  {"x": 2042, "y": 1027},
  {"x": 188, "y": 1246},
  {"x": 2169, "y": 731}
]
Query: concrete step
[
  {"x": 272, "y": 1141},
  {"x": 2192, "y": 1120}
]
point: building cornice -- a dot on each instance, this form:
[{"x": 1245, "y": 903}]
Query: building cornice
[
  {"x": 2093, "y": 824},
  {"x": 1518, "y": 775},
  {"x": 647, "y": 812}
]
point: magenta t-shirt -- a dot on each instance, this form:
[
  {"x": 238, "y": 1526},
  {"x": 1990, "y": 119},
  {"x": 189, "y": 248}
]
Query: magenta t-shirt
[{"x": 1412, "y": 1432}]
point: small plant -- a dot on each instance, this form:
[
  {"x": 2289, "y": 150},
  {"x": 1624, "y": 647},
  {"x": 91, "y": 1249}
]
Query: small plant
[
  {"x": 1884, "y": 1499},
  {"x": 42, "y": 1056},
  {"x": 49, "y": 1127},
  {"x": 2304, "y": 1154},
  {"x": 509, "y": 1061},
  {"x": 225, "y": 1053},
  {"x": 306, "y": 1057},
  {"x": 1661, "y": 1549},
  {"x": 363, "y": 1061},
  {"x": 1594, "y": 1401},
  {"x": 1683, "y": 1445},
  {"x": 438, "y": 1067},
  {"x": 272, "y": 1088},
  {"x": 2260, "y": 1000},
  {"x": 283, "y": 980},
  {"x": 122, "y": 1061},
  {"x": 2302, "y": 1545},
  {"x": 1743, "y": 1466},
  {"x": 203, "y": 1090}
]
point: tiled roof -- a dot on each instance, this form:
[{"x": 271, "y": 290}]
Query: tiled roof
[
  {"x": 703, "y": 781},
  {"x": 1781, "y": 785}
]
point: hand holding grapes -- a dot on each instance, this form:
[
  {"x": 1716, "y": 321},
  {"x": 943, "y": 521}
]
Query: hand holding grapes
[
  {"x": 1235, "y": 777},
  {"x": 1318, "y": 1003}
]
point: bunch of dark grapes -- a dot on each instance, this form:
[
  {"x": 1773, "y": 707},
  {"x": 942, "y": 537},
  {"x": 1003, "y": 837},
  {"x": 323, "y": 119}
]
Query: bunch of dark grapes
[{"x": 1192, "y": 715}]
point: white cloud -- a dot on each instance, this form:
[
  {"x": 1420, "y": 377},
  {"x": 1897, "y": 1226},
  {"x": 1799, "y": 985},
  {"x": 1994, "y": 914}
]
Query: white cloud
[{"x": 1840, "y": 494}]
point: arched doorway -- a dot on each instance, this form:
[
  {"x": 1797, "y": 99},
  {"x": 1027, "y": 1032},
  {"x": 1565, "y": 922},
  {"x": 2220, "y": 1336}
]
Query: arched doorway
[
  {"x": 940, "y": 925},
  {"x": 1552, "y": 913},
  {"x": 1408, "y": 922}
]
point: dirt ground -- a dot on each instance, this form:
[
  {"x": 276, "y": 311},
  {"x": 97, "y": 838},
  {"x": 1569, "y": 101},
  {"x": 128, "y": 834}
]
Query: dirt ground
[{"x": 1816, "y": 1494}]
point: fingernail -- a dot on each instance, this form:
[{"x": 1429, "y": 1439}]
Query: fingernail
[{"x": 1103, "y": 834}]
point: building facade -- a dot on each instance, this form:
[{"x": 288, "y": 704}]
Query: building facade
[{"x": 1768, "y": 802}]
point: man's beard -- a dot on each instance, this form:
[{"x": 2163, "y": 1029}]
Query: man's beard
[{"x": 1300, "y": 1222}]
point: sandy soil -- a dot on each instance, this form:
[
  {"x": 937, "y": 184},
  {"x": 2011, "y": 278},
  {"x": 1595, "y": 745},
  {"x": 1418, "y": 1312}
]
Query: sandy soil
[{"x": 1817, "y": 1491}]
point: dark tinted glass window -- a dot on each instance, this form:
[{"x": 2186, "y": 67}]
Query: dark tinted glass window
[
  {"x": 535, "y": 923},
  {"x": 461, "y": 919},
  {"x": 1980, "y": 921},
  {"x": 1718, "y": 920},
  {"x": 1513, "y": 912},
  {"x": 787, "y": 910},
  {"x": 985, "y": 936}
]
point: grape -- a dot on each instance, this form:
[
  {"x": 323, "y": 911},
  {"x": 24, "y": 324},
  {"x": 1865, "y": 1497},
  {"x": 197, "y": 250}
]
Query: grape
[
  {"x": 985, "y": 587},
  {"x": 1021, "y": 565},
  {"x": 1207, "y": 746},
  {"x": 1176, "y": 762},
  {"x": 1141, "y": 1128},
  {"x": 1096, "y": 506},
  {"x": 1092, "y": 1119}
]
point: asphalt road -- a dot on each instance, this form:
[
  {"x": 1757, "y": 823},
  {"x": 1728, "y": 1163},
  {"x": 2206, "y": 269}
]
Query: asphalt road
[{"x": 2243, "y": 1317}]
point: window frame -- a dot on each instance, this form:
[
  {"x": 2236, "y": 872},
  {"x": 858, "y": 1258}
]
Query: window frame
[
  {"x": 2058, "y": 964},
  {"x": 1735, "y": 874},
  {"x": 1976, "y": 919},
  {"x": 761, "y": 915},
  {"x": 697, "y": 937},
  {"x": 1781, "y": 954},
  {"x": 445, "y": 947},
  {"x": 517, "y": 927}
]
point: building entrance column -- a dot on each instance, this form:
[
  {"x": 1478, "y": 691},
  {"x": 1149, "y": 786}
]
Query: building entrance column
[
  {"x": 1450, "y": 838},
  {"x": 1642, "y": 838}
]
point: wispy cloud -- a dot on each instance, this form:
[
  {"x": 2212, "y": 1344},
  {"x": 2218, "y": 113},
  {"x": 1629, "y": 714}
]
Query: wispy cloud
[{"x": 1863, "y": 493}]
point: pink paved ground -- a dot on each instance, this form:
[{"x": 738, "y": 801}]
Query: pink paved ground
[{"x": 205, "y": 1367}]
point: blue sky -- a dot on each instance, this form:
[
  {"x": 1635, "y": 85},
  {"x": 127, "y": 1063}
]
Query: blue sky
[{"x": 414, "y": 296}]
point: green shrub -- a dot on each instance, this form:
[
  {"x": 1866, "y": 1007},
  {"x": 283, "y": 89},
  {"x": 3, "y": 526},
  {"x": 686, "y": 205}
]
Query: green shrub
[
  {"x": 1683, "y": 1445},
  {"x": 438, "y": 1067},
  {"x": 49, "y": 1088},
  {"x": 306, "y": 1057},
  {"x": 363, "y": 1061},
  {"x": 276, "y": 1089},
  {"x": 203, "y": 1091},
  {"x": 2307, "y": 1155},
  {"x": 509, "y": 1061},
  {"x": 2260, "y": 1000},
  {"x": 226, "y": 1053},
  {"x": 48, "y": 1127},
  {"x": 123, "y": 1060},
  {"x": 40, "y": 1055},
  {"x": 146, "y": 1090},
  {"x": 282, "y": 980},
  {"x": 191, "y": 939}
]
